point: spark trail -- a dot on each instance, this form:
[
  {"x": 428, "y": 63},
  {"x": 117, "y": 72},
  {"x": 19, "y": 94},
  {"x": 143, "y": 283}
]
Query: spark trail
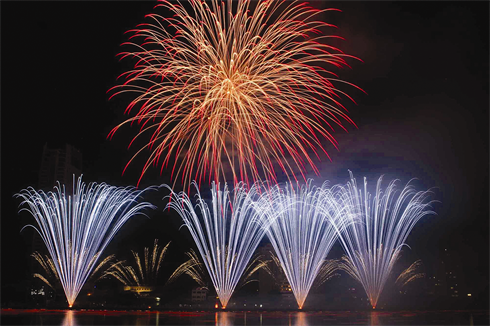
[
  {"x": 304, "y": 224},
  {"x": 144, "y": 274},
  {"x": 77, "y": 227},
  {"x": 238, "y": 88},
  {"x": 226, "y": 235},
  {"x": 379, "y": 226}
]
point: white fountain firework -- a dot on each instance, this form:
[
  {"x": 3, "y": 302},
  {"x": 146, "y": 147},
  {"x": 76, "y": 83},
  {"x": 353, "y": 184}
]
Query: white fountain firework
[
  {"x": 226, "y": 235},
  {"x": 77, "y": 227},
  {"x": 304, "y": 223},
  {"x": 381, "y": 224}
]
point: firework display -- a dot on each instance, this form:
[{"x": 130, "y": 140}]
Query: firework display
[
  {"x": 77, "y": 227},
  {"x": 191, "y": 267},
  {"x": 410, "y": 274},
  {"x": 237, "y": 88},
  {"x": 241, "y": 96},
  {"x": 377, "y": 227},
  {"x": 226, "y": 235},
  {"x": 326, "y": 272},
  {"x": 144, "y": 274},
  {"x": 196, "y": 270},
  {"x": 51, "y": 273},
  {"x": 303, "y": 228}
]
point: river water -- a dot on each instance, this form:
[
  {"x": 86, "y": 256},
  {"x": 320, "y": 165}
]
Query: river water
[{"x": 225, "y": 318}]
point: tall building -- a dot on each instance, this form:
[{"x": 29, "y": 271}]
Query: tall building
[
  {"x": 447, "y": 277},
  {"x": 266, "y": 282},
  {"x": 59, "y": 164},
  {"x": 455, "y": 283},
  {"x": 437, "y": 279}
]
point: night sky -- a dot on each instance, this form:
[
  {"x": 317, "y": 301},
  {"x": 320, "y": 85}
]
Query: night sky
[{"x": 425, "y": 115}]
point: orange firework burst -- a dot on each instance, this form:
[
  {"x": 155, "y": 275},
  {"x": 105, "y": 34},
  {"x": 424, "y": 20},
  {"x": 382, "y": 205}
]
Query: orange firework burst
[{"x": 236, "y": 88}]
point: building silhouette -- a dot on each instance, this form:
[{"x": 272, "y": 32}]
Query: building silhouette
[
  {"x": 266, "y": 281},
  {"x": 58, "y": 164},
  {"x": 447, "y": 278}
]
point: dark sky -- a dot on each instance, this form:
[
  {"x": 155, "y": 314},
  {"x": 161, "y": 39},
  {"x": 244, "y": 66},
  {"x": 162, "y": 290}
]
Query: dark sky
[{"x": 425, "y": 69}]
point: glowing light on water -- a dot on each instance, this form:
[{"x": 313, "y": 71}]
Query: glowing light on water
[
  {"x": 69, "y": 319},
  {"x": 303, "y": 229},
  {"x": 226, "y": 235},
  {"x": 379, "y": 226},
  {"x": 234, "y": 85},
  {"x": 77, "y": 227}
]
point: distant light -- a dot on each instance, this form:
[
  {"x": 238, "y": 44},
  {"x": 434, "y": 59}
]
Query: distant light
[
  {"x": 216, "y": 306},
  {"x": 469, "y": 294},
  {"x": 261, "y": 306},
  {"x": 158, "y": 299}
]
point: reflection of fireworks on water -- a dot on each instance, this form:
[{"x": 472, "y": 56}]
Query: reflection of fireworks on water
[
  {"x": 303, "y": 228},
  {"x": 235, "y": 84},
  {"x": 70, "y": 319},
  {"x": 77, "y": 228},
  {"x": 378, "y": 230},
  {"x": 144, "y": 274},
  {"x": 226, "y": 235},
  {"x": 223, "y": 318}
]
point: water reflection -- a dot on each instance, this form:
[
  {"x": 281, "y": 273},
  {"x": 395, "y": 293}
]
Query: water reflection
[
  {"x": 223, "y": 318},
  {"x": 301, "y": 319},
  {"x": 69, "y": 319},
  {"x": 374, "y": 318},
  {"x": 143, "y": 320}
]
